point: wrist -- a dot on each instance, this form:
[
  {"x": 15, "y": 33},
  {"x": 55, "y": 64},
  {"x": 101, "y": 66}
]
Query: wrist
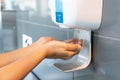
[{"x": 45, "y": 48}]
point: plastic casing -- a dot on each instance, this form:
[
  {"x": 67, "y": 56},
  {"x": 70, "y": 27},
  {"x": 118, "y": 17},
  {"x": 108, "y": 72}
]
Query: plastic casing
[{"x": 79, "y": 14}]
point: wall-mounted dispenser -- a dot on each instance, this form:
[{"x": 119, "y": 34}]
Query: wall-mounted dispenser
[{"x": 82, "y": 16}]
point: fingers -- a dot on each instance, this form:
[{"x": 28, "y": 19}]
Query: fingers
[
  {"x": 74, "y": 41},
  {"x": 58, "y": 49},
  {"x": 63, "y": 54},
  {"x": 80, "y": 42},
  {"x": 69, "y": 54},
  {"x": 73, "y": 47}
]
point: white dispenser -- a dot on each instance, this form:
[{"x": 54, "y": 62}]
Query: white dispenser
[{"x": 82, "y": 16}]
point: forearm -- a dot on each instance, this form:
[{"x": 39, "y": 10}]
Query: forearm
[
  {"x": 18, "y": 69},
  {"x": 9, "y": 57}
]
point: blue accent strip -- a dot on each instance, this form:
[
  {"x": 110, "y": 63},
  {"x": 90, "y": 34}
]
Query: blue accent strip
[
  {"x": 59, "y": 6},
  {"x": 59, "y": 11}
]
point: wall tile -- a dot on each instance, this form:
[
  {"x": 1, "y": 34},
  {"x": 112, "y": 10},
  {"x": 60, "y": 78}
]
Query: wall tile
[
  {"x": 106, "y": 53},
  {"x": 109, "y": 71},
  {"x": 42, "y": 13},
  {"x": 46, "y": 71},
  {"x": 110, "y": 19},
  {"x": 106, "y": 50},
  {"x": 37, "y": 31},
  {"x": 19, "y": 15},
  {"x": 85, "y": 74},
  {"x": 19, "y": 33},
  {"x": 9, "y": 19},
  {"x": 41, "y": 30},
  {"x": 30, "y": 76},
  {"x": 70, "y": 34},
  {"x": 39, "y": 12}
]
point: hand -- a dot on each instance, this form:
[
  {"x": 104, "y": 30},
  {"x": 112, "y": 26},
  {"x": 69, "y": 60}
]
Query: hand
[
  {"x": 63, "y": 50},
  {"x": 44, "y": 40},
  {"x": 74, "y": 41}
]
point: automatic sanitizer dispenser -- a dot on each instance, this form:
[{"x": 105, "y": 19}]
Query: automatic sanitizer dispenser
[{"x": 82, "y": 16}]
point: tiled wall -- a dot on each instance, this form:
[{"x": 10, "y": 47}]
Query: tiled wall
[
  {"x": 107, "y": 42},
  {"x": 8, "y": 36},
  {"x": 33, "y": 19},
  {"x": 9, "y": 30}
]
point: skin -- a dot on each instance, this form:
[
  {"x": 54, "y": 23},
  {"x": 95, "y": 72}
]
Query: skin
[{"x": 17, "y": 64}]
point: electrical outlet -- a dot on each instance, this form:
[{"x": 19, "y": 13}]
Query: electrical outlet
[{"x": 27, "y": 40}]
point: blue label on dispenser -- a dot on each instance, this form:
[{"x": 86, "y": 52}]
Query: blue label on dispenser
[{"x": 59, "y": 11}]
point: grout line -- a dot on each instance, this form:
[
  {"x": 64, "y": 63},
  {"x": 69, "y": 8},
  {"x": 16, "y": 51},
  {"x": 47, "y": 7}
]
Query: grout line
[
  {"x": 66, "y": 29},
  {"x": 67, "y": 34},
  {"x": 111, "y": 62},
  {"x": 40, "y": 24},
  {"x": 35, "y": 75},
  {"x": 73, "y": 75},
  {"x": 107, "y": 37}
]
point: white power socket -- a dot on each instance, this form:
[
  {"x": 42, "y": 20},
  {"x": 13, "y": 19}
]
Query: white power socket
[{"x": 27, "y": 40}]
